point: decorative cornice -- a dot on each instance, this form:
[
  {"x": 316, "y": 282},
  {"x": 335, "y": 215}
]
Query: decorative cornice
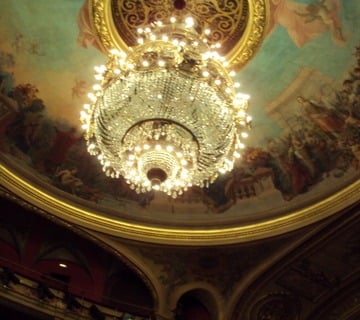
[{"x": 92, "y": 217}]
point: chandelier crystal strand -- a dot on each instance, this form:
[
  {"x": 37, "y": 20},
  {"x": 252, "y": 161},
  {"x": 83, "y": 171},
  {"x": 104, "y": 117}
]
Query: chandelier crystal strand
[{"x": 166, "y": 116}]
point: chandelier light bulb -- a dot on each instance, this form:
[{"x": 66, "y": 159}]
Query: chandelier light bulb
[
  {"x": 189, "y": 22},
  {"x": 205, "y": 73},
  {"x": 166, "y": 116}
]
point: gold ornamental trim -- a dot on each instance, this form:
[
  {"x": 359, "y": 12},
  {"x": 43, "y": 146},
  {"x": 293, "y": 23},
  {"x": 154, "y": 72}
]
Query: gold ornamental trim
[
  {"x": 257, "y": 17},
  {"x": 104, "y": 26},
  {"x": 83, "y": 216},
  {"x": 247, "y": 47}
]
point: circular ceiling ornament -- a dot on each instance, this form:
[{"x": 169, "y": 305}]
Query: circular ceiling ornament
[{"x": 239, "y": 26}]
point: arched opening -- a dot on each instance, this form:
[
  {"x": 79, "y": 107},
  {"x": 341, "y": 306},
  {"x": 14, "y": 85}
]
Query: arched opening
[
  {"x": 197, "y": 304},
  {"x": 127, "y": 291}
]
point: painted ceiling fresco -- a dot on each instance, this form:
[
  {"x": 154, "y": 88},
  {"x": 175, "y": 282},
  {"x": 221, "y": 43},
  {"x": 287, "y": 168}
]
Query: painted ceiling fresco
[{"x": 304, "y": 84}]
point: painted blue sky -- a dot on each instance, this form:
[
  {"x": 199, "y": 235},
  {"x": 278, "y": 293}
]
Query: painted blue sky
[
  {"x": 60, "y": 61},
  {"x": 52, "y": 24},
  {"x": 279, "y": 60},
  {"x": 54, "y": 27}
]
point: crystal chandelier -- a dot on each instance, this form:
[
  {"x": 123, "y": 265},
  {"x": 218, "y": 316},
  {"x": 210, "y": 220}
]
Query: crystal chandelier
[{"x": 166, "y": 115}]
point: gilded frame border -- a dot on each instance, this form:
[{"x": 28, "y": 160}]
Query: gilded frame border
[{"x": 84, "y": 217}]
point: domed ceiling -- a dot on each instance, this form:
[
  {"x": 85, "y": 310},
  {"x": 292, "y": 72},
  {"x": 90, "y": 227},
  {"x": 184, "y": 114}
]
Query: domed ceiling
[{"x": 299, "y": 60}]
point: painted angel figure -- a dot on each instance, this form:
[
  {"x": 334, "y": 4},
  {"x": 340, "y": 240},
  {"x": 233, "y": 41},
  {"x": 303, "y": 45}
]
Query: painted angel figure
[{"x": 305, "y": 22}]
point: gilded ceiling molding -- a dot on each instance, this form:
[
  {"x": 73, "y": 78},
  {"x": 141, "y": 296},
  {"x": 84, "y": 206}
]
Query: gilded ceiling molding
[
  {"x": 84, "y": 214},
  {"x": 242, "y": 37},
  {"x": 101, "y": 12},
  {"x": 254, "y": 34}
]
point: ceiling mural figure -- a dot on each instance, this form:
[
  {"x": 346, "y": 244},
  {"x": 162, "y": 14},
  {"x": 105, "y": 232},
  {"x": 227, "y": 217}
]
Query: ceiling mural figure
[
  {"x": 304, "y": 84},
  {"x": 306, "y": 21}
]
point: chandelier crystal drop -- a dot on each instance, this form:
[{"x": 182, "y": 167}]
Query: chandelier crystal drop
[{"x": 166, "y": 115}]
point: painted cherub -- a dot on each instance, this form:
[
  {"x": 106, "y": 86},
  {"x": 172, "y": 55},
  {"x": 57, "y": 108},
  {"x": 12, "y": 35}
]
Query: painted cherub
[
  {"x": 304, "y": 22},
  {"x": 79, "y": 89},
  {"x": 326, "y": 12}
]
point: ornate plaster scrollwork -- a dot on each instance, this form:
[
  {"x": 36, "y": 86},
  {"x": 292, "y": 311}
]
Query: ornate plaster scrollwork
[
  {"x": 239, "y": 26},
  {"x": 276, "y": 306}
]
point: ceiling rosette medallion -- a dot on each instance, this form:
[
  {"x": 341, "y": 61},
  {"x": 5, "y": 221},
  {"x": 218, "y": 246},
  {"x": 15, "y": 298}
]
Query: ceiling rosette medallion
[{"x": 238, "y": 25}]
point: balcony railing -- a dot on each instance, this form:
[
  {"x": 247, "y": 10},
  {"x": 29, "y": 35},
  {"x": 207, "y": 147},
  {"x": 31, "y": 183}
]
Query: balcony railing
[{"x": 39, "y": 297}]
